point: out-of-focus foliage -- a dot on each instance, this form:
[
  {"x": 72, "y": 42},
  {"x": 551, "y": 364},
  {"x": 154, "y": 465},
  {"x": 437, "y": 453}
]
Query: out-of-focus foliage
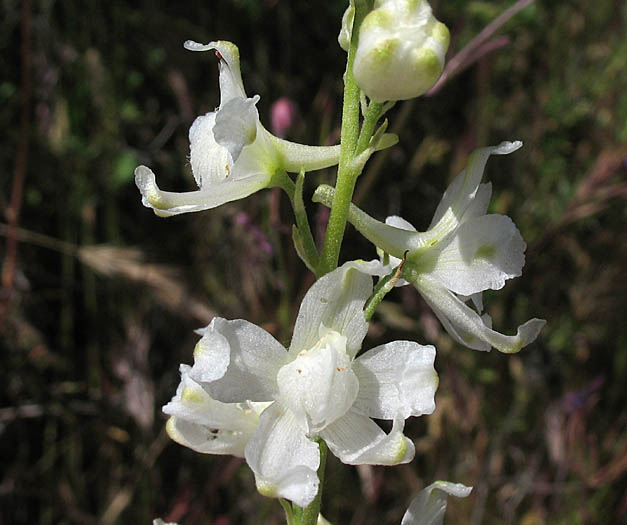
[{"x": 101, "y": 311}]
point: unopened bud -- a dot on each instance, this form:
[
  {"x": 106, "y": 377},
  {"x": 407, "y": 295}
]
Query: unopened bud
[{"x": 401, "y": 50}]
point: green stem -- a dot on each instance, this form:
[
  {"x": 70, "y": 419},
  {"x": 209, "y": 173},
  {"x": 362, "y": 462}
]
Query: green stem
[
  {"x": 374, "y": 111},
  {"x": 346, "y": 174},
  {"x": 304, "y": 230},
  {"x": 384, "y": 286},
  {"x": 289, "y": 514},
  {"x": 311, "y": 512},
  {"x": 303, "y": 238}
]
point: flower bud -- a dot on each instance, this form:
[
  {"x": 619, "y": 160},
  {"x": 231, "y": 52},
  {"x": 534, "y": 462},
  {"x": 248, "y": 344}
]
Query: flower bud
[{"x": 401, "y": 50}]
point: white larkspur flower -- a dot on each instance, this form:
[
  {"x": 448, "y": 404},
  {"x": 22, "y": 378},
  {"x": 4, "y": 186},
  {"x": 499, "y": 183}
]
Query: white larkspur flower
[
  {"x": 401, "y": 49},
  {"x": 317, "y": 387},
  {"x": 429, "y": 505},
  {"x": 206, "y": 425},
  {"x": 231, "y": 154},
  {"x": 463, "y": 253}
]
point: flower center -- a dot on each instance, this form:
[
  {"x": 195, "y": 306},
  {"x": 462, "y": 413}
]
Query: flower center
[{"x": 319, "y": 385}]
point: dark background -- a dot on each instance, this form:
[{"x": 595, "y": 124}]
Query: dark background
[{"x": 99, "y": 303}]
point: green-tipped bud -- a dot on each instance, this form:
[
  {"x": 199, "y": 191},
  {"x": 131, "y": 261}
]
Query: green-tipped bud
[
  {"x": 401, "y": 50},
  {"x": 344, "y": 38}
]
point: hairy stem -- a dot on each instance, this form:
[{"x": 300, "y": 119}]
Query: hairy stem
[{"x": 346, "y": 173}]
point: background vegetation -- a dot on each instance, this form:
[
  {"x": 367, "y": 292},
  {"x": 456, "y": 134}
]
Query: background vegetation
[{"x": 99, "y": 303}]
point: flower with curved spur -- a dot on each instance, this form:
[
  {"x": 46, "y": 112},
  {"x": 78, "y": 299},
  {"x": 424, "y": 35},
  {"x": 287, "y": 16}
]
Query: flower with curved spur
[
  {"x": 318, "y": 388},
  {"x": 231, "y": 154},
  {"x": 463, "y": 253}
]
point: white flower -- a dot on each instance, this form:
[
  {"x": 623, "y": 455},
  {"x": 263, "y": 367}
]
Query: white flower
[
  {"x": 463, "y": 253},
  {"x": 206, "y": 425},
  {"x": 318, "y": 388},
  {"x": 401, "y": 50},
  {"x": 429, "y": 506},
  {"x": 231, "y": 154}
]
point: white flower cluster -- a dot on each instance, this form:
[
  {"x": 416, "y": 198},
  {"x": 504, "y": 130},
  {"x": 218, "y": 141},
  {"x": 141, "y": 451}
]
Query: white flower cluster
[{"x": 249, "y": 396}]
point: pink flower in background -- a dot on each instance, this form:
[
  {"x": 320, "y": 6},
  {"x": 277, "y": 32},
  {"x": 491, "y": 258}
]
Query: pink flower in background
[{"x": 283, "y": 114}]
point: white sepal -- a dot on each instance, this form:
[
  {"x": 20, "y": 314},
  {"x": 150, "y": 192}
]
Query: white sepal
[
  {"x": 467, "y": 326},
  {"x": 334, "y": 302},
  {"x": 283, "y": 458},
  {"x": 252, "y": 355},
  {"x": 205, "y": 425},
  {"x": 429, "y": 505},
  {"x": 396, "y": 378},
  {"x": 481, "y": 254},
  {"x": 357, "y": 440}
]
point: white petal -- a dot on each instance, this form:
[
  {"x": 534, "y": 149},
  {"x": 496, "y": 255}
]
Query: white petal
[
  {"x": 166, "y": 203},
  {"x": 207, "y": 440},
  {"x": 319, "y": 385},
  {"x": 231, "y": 84},
  {"x": 479, "y": 204},
  {"x": 236, "y": 125},
  {"x": 212, "y": 354},
  {"x": 193, "y": 404},
  {"x": 476, "y": 298},
  {"x": 357, "y": 440},
  {"x": 374, "y": 267},
  {"x": 459, "y": 195},
  {"x": 399, "y": 222},
  {"x": 283, "y": 459},
  {"x": 206, "y": 425},
  {"x": 429, "y": 506},
  {"x": 466, "y": 326},
  {"x": 334, "y": 302},
  {"x": 254, "y": 358},
  {"x": 209, "y": 160},
  {"x": 396, "y": 378},
  {"x": 482, "y": 254}
]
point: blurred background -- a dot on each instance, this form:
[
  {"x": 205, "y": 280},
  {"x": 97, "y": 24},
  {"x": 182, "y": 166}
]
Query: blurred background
[{"x": 100, "y": 298}]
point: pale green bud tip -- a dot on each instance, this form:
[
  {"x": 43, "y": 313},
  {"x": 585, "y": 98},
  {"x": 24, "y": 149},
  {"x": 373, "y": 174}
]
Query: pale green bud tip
[
  {"x": 401, "y": 50},
  {"x": 344, "y": 38},
  {"x": 378, "y": 19}
]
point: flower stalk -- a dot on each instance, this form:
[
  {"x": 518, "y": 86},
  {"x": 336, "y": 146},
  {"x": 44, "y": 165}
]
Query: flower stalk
[
  {"x": 346, "y": 173},
  {"x": 312, "y": 511}
]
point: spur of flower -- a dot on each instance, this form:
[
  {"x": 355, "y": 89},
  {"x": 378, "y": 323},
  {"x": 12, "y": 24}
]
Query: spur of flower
[
  {"x": 318, "y": 388},
  {"x": 231, "y": 154},
  {"x": 463, "y": 253}
]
